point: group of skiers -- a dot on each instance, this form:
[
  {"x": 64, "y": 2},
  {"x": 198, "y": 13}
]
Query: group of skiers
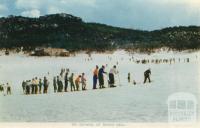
[
  {"x": 64, "y": 81},
  {"x": 74, "y": 84},
  {"x": 35, "y": 86},
  {"x": 98, "y": 74},
  {"x": 5, "y": 88}
]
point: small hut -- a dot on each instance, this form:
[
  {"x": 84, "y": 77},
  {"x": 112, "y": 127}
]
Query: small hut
[{"x": 51, "y": 52}]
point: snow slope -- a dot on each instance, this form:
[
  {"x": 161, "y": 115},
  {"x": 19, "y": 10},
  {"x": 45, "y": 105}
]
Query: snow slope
[{"x": 126, "y": 103}]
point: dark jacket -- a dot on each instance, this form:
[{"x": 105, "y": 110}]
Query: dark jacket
[
  {"x": 147, "y": 72},
  {"x": 101, "y": 71}
]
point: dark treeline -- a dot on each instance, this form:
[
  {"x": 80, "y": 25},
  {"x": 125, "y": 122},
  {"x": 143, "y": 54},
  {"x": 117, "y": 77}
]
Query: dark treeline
[{"x": 72, "y": 33}]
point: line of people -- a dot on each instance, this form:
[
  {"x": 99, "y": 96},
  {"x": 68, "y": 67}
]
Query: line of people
[
  {"x": 74, "y": 84},
  {"x": 35, "y": 86},
  {"x": 62, "y": 82}
]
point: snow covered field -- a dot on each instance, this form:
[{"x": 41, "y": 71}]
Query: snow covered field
[{"x": 126, "y": 103}]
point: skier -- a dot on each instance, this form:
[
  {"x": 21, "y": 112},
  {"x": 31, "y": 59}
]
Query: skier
[
  {"x": 40, "y": 85},
  {"x": 8, "y": 89},
  {"x": 71, "y": 80},
  {"x": 55, "y": 84},
  {"x": 129, "y": 77},
  {"x": 95, "y": 77},
  {"x": 83, "y": 81},
  {"x": 147, "y": 74},
  {"x": 28, "y": 86},
  {"x": 66, "y": 81},
  {"x": 111, "y": 76},
  {"x": 36, "y": 85},
  {"x": 23, "y": 86},
  {"x": 1, "y": 88},
  {"x": 33, "y": 86},
  {"x": 45, "y": 85},
  {"x": 77, "y": 82},
  {"x": 58, "y": 84},
  {"x": 100, "y": 76},
  {"x": 188, "y": 60}
]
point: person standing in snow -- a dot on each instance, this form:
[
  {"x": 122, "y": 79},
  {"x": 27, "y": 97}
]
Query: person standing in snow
[
  {"x": 77, "y": 82},
  {"x": 147, "y": 74},
  {"x": 8, "y": 89},
  {"x": 40, "y": 85},
  {"x": 28, "y": 87},
  {"x": 95, "y": 77},
  {"x": 66, "y": 81},
  {"x": 129, "y": 77},
  {"x": 61, "y": 84},
  {"x": 55, "y": 84},
  {"x": 1, "y": 88},
  {"x": 71, "y": 80},
  {"x": 32, "y": 86},
  {"x": 45, "y": 85},
  {"x": 58, "y": 84},
  {"x": 24, "y": 86},
  {"x": 101, "y": 77},
  {"x": 83, "y": 81},
  {"x": 112, "y": 72},
  {"x": 36, "y": 85}
]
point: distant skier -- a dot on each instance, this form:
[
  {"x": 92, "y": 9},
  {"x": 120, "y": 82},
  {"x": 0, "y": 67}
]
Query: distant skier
[
  {"x": 71, "y": 80},
  {"x": 60, "y": 84},
  {"x": 129, "y": 77},
  {"x": 101, "y": 78},
  {"x": 36, "y": 85},
  {"x": 40, "y": 85},
  {"x": 112, "y": 73},
  {"x": 95, "y": 77},
  {"x": 147, "y": 74},
  {"x": 1, "y": 87},
  {"x": 55, "y": 84},
  {"x": 32, "y": 86},
  {"x": 8, "y": 89},
  {"x": 46, "y": 84},
  {"x": 28, "y": 87},
  {"x": 83, "y": 81},
  {"x": 66, "y": 81},
  {"x": 24, "y": 86},
  {"x": 77, "y": 82},
  {"x": 188, "y": 60}
]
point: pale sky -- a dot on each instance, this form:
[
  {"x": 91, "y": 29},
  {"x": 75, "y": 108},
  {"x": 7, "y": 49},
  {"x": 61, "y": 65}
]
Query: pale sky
[{"x": 135, "y": 14}]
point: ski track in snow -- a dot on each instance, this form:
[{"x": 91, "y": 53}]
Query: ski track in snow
[{"x": 127, "y": 103}]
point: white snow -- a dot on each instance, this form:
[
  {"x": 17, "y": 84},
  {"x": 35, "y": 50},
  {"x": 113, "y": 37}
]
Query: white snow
[{"x": 126, "y": 103}]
